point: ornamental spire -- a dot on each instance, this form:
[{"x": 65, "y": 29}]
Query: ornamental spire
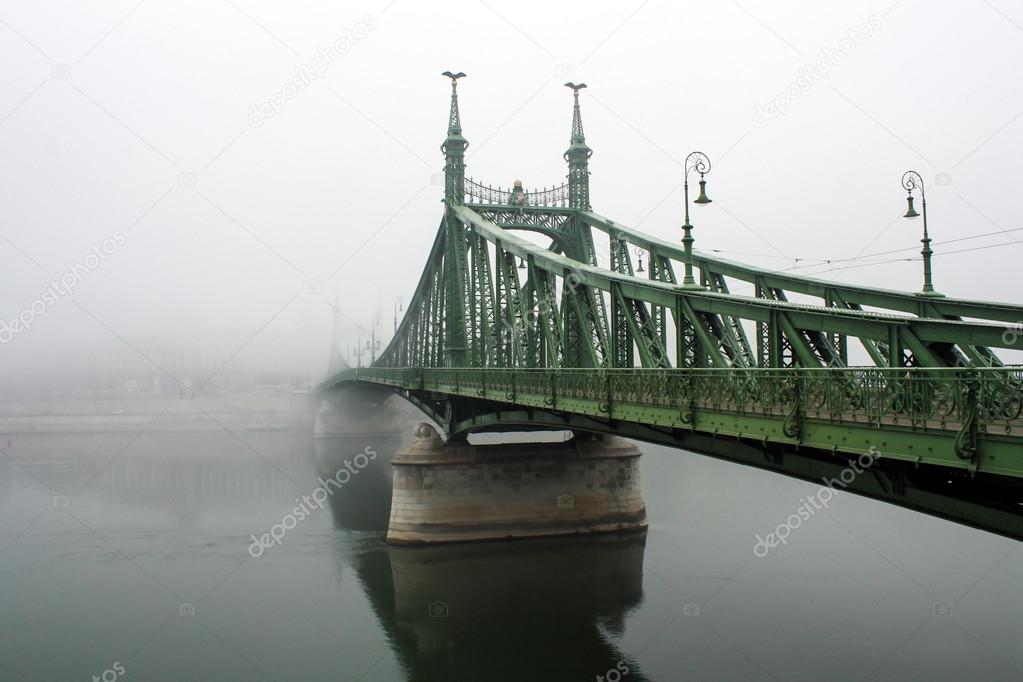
[
  {"x": 578, "y": 156},
  {"x": 577, "y": 119},
  {"x": 454, "y": 149},
  {"x": 454, "y": 121}
]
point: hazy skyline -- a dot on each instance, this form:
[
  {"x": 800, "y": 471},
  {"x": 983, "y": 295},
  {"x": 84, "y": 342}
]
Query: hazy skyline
[{"x": 139, "y": 119}]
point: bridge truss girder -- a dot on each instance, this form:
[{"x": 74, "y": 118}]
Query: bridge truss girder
[
  {"x": 571, "y": 311},
  {"x": 832, "y": 349}
]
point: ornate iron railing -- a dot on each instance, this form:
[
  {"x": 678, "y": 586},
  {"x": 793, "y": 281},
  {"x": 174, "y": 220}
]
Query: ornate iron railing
[
  {"x": 478, "y": 193},
  {"x": 923, "y": 398}
]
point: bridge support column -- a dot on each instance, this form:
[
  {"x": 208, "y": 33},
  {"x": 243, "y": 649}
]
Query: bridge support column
[{"x": 462, "y": 492}]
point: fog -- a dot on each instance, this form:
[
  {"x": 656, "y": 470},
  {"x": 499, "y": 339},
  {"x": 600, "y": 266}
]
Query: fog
[{"x": 221, "y": 231}]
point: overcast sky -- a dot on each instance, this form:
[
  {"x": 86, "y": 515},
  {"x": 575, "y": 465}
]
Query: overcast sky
[{"x": 142, "y": 124}]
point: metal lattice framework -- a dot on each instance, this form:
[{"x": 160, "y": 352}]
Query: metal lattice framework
[{"x": 502, "y": 331}]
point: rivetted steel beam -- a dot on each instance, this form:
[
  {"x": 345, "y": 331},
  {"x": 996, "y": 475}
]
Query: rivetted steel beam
[
  {"x": 858, "y": 323},
  {"x": 851, "y": 293}
]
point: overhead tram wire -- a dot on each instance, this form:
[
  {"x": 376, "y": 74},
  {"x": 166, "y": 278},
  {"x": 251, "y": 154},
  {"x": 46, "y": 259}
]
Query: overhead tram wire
[
  {"x": 947, "y": 241},
  {"x": 891, "y": 260},
  {"x": 899, "y": 260},
  {"x": 829, "y": 261}
]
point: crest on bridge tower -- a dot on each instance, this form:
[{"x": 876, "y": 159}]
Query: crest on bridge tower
[{"x": 518, "y": 195}]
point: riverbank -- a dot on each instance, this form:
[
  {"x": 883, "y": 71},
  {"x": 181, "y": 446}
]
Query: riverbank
[{"x": 249, "y": 411}]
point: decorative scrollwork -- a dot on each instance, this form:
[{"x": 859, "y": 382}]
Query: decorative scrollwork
[
  {"x": 1012, "y": 405},
  {"x": 944, "y": 400},
  {"x": 478, "y": 193},
  {"x": 697, "y": 161},
  {"x": 897, "y": 398},
  {"x": 968, "y": 403},
  {"x": 1002, "y": 402},
  {"x": 556, "y": 196},
  {"x": 790, "y": 427},
  {"x": 815, "y": 395},
  {"x": 911, "y": 180}
]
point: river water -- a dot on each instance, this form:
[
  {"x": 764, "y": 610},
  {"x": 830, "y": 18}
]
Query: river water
[{"x": 127, "y": 553}]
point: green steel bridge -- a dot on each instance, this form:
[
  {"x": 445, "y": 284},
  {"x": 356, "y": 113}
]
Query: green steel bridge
[{"x": 502, "y": 334}]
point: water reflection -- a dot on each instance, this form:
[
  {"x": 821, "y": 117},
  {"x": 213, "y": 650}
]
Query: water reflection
[
  {"x": 166, "y": 516},
  {"x": 364, "y": 504},
  {"x": 345, "y": 425},
  {"x": 512, "y": 611},
  {"x": 535, "y": 609}
]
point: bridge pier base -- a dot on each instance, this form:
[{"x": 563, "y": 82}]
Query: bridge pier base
[{"x": 459, "y": 492}]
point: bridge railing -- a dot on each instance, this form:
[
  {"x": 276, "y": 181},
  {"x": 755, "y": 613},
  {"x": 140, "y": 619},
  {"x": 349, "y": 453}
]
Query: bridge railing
[
  {"x": 478, "y": 193},
  {"x": 984, "y": 399}
]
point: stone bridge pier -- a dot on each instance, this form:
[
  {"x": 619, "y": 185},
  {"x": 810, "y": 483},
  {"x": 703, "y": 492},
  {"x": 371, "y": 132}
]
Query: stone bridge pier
[{"x": 458, "y": 491}]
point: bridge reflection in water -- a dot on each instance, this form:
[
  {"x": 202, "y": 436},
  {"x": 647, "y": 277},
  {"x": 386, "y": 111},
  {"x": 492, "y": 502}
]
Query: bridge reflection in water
[{"x": 511, "y": 610}]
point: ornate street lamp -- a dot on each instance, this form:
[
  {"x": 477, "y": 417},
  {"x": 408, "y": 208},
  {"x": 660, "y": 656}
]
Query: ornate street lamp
[
  {"x": 696, "y": 161},
  {"x": 639, "y": 253},
  {"x": 372, "y": 347},
  {"x": 911, "y": 180}
]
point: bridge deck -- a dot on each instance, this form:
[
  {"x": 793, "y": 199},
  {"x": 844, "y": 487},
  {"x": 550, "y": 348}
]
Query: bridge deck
[{"x": 962, "y": 419}]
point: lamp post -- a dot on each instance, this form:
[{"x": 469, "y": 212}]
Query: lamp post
[
  {"x": 911, "y": 180},
  {"x": 696, "y": 161},
  {"x": 371, "y": 348},
  {"x": 397, "y": 309}
]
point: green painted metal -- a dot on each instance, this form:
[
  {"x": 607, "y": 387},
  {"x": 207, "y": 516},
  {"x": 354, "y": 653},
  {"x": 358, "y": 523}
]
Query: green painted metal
[
  {"x": 959, "y": 418},
  {"x": 578, "y": 157},
  {"x": 456, "y": 277},
  {"x": 933, "y": 333},
  {"x": 911, "y": 180},
  {"x": 501, "y": 331},
  {"x": 696, "y": 161},
  {"x": 875, "y": 297},
  {"x": 611, "y": 317}
]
